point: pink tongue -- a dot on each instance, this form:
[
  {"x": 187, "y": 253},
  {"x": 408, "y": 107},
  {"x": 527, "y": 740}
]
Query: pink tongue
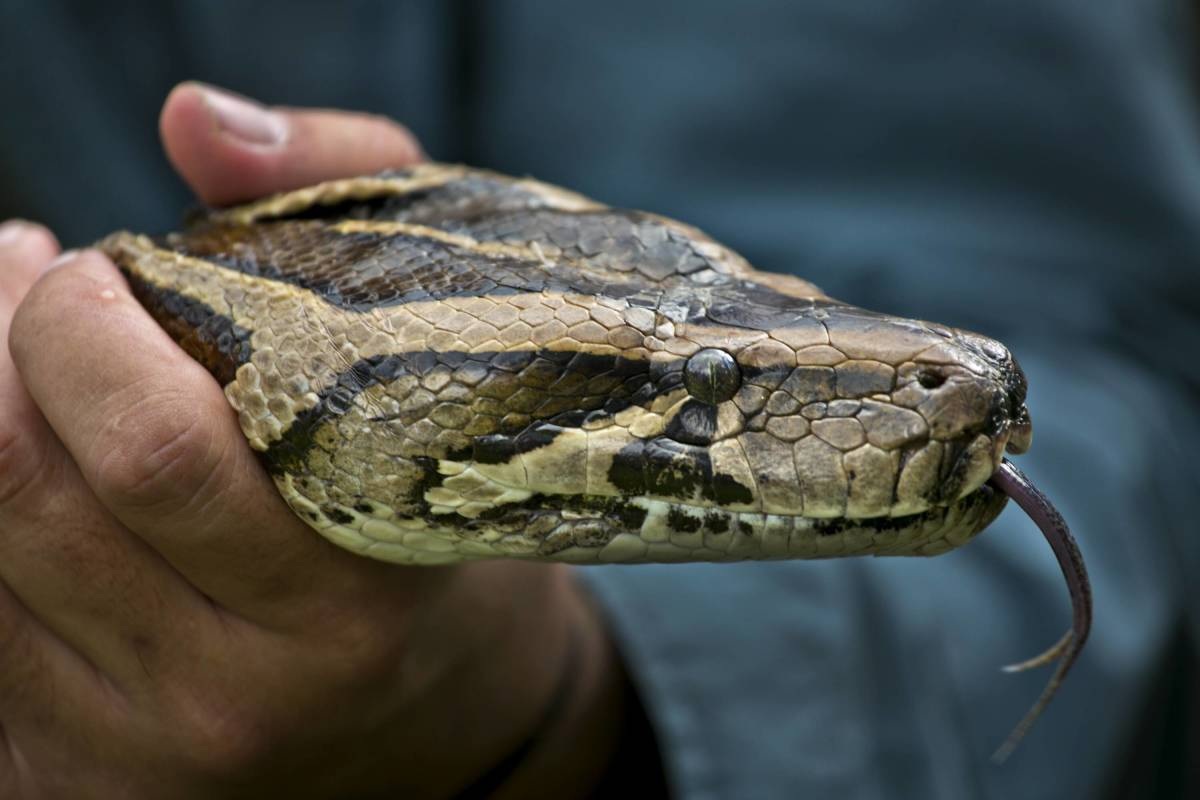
[{"x": 1012, "y": 482}]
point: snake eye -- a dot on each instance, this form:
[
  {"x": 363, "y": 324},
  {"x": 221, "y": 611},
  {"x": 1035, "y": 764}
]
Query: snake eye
[
  {"x": 712, "y": 376},
  {"x": 930, "y": 379}
]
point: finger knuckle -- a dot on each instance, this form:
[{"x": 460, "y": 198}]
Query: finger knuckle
[
  {"x": 21, "y": 462},
  {"x": 222, "y": 737},
  {"x": 159, "y": 453},
  {"x": 367, "y": 645},
  {"x": 43, "y": 306}
]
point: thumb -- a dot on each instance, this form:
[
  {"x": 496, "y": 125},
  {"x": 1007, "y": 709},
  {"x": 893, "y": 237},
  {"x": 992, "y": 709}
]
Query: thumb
[{"x": 229, "y": 148}]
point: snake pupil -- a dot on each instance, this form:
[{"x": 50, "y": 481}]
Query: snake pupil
[
  {"x": 930, "y": 379},
  {"x": 712, "y": 376}
]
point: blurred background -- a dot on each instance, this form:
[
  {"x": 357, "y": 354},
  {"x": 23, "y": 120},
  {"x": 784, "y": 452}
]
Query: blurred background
[{"x": 1029, "y": 170}]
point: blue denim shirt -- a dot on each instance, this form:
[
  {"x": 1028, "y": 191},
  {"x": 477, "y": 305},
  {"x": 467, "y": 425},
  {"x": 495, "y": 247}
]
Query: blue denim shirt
[{"x": 1028, "y": 170}]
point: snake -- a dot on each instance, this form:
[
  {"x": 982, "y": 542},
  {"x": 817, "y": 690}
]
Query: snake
[{"x": 442, "y": 363}]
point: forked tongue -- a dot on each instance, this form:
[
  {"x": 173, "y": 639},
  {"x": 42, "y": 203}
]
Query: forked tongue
[{"x": 1013, "y": 483}]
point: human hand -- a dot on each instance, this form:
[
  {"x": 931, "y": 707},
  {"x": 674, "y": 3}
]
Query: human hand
[{"x": 168, "y": 628}]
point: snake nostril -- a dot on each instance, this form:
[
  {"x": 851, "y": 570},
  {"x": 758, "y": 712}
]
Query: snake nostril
[{"x": 930, "y": 379}]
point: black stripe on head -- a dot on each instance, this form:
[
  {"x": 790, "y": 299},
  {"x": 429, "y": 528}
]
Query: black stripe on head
[
  {"x": 364, "y": 270},
  {"x": 516, "y": 401},
  {"x": 745, "y": 304},
  {"x": 214, "y": 340}
]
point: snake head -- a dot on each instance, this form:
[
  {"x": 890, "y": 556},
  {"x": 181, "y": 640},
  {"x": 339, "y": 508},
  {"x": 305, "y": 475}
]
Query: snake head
[
  {"x": 846, "y": 415},
  {"x": 502, "y": 368}
]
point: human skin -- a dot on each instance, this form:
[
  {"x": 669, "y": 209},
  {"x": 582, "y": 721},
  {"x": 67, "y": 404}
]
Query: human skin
[{"x": 168, "y": 628}]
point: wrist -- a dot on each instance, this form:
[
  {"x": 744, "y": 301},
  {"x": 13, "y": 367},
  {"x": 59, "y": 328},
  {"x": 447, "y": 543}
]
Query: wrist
[{"x": 572, "y": 747}]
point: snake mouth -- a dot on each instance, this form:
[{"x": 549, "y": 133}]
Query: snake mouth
[{"x": 660, "y": 530}]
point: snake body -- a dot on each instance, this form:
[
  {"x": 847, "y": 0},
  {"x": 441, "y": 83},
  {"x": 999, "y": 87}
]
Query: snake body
[{"x": 444, "y": 363}]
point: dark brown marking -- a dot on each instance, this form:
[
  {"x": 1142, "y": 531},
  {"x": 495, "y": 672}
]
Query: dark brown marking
[
  {"x": 665, "y": 468},
  {"x": 495, "y": 432},
  {"x": 681, "y": 521},
  {"x": 337, "y": 515},
  {"x": 214, "y": 340},
  {"x": 694, "y": 423},
  {"x": 716, "y": 521},
  {"x": 364, "y": 270}
]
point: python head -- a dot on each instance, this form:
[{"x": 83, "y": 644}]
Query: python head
[{"x": 443, "y": 363}]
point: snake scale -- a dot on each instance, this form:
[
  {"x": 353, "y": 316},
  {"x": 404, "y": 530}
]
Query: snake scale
[{"x": 443, "y": 363}]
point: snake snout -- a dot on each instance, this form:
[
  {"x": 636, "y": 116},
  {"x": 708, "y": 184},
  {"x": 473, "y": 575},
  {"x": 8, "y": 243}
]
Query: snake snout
[
  {"x": 1020, "y": 436},
  {"x": 1021, "y": 430},
  {"x": 1001, "y": 377},
  {"x": 1013, "y": 386}
]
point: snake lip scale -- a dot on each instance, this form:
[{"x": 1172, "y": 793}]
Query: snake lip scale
[{"x": 443, "y": 363}]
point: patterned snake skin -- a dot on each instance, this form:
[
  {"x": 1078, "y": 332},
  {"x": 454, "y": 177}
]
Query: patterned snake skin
[{"x": 443, "y": 363}]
